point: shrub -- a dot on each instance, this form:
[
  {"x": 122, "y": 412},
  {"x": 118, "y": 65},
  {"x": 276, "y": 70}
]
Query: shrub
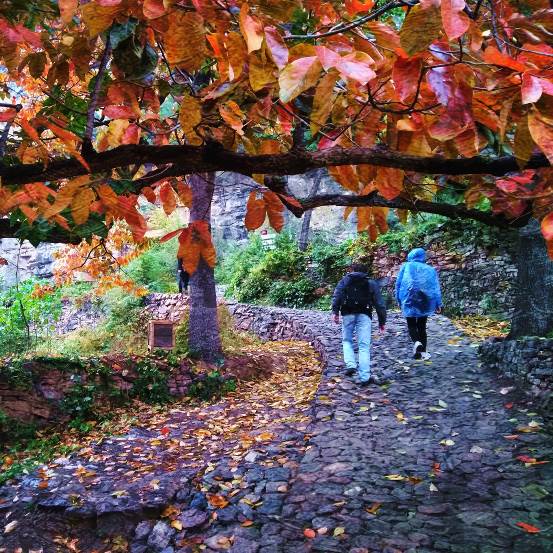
[
  {"x": 28, "y": 314},
  {"x": 212, "y": 385},
  {"x": 156, "y": 268},
  {"x": 291, "y": 293}
]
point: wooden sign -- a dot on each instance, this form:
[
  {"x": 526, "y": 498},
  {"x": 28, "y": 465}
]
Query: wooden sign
[{"x": 161, "y": 334}]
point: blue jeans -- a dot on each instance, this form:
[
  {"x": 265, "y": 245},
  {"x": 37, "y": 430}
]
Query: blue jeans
[{"x": 361, "y": 324}]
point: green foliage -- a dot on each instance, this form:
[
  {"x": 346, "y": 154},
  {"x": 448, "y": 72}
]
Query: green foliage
[
  {"x": 292, "y": 293},
  {"x": 212, "y": 385},
  {"x": 422, "y": 230},
  {"x": 284, "y": 276},
  {"x": 14, "y": 373},
  {"x": 151, "y": 384},
  {"x": 26, "y": 317},
  {"x": 156, "y": 268},
  {"x": 123, "y": 329}
]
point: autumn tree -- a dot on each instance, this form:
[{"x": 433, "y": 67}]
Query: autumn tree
[{"x": 109, "y": 100}]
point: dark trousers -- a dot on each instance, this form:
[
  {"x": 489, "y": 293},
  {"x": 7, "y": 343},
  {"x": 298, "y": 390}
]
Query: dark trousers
[
  {"x": 417, "y": 330},
  {"x": 184, "y": 278}
]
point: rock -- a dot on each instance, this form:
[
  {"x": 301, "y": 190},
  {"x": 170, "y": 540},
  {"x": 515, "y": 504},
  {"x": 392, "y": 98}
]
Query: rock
[
  {"x": 143, "y": 529},
  {"x": 242, "y": 545},
  {"x": 191, "y": 518},
  {"x": 160, "y": 536}
]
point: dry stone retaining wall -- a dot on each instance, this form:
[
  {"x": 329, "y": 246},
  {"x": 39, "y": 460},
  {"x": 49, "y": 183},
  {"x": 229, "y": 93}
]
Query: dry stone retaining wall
[
  {"x": 474, "y": 280},
  {"x": 528, "y": 361}
]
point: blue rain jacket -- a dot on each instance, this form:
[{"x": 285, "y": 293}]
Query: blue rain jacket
[{"x": 417, "y": 286}]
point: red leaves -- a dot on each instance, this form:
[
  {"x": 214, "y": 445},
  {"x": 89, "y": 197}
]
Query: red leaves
[
  {"x": 309, "y": 533},
  {"x": 493, "y": 56},
  {"x": 406, "y": 74},
  {"x": 528, "y": 527},
  {"x": 541, "y": 130},
  {"x": 454, "y": 20},
  {"x": 168, "y": 198},
  {"x": 258, "y": 207}
]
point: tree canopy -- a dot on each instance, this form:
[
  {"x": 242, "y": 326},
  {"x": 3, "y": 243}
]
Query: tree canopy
[{"x": 109, "y": 103}]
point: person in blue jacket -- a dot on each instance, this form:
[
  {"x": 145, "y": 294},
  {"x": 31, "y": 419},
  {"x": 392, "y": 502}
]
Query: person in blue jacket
[{"x": 419, "y": 296}]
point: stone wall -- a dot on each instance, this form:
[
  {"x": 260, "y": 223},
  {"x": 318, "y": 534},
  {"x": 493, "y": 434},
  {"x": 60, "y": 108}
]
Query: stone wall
[
  {"x": 474, "y": 280},
  {"x": 528, "y": 361},
  {"x": 89, "y": 313},
  {"x": 39, "y": 398}
]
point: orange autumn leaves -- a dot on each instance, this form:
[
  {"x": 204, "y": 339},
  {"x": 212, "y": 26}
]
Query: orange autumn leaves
[
  {"x": 263, "y": 204},
  {"x": 194, "y": 244}
]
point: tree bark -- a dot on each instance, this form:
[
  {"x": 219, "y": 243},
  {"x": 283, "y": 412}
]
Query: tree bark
[
  {"x": 533, "y": 314},
  {"x": 189, "y": 159},
  {"x": 303, "y": 240},
  {"x": 204, "y": 339}
]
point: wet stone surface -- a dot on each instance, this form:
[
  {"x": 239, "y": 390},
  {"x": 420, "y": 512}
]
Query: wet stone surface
[{"x": 443, "y": 458}]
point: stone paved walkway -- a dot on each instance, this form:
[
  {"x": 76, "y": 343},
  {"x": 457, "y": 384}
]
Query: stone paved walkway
[
  {"x": 428, "y": 464},
  {"x": 446, "y": 458}
]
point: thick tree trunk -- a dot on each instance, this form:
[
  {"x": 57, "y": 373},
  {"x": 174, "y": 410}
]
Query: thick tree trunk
[
  {"x": 533, "y": 315},
  {"x": 204, "y": 339},
  {"x": 303, "y": 240}
]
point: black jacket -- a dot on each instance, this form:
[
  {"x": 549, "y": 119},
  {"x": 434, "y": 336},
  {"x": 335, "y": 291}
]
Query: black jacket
[{"x": 376, "y": 299}]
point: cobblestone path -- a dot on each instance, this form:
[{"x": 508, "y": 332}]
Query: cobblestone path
[
  {"x": 444, "y": 458},
  {"x": 428, "y": 464}
]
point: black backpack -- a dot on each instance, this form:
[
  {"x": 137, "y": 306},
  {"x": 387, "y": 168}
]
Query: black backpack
[{"x": 357, "y": 295}]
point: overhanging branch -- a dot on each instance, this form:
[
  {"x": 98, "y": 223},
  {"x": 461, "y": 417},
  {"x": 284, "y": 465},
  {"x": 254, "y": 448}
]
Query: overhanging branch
[
  {"x": 458, "y": 211},
  {"x": 212, "y": 157}
]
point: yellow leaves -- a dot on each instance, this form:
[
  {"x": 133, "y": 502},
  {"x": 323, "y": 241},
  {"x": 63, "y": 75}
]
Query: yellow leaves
[
  {"x": 447, "y": 442},
  {"x": 65, "y": 196},
  {"x": 119, "y": 493},
  {"x": 176, "y": 524},
  {"x": 338, "y": 531},
  {"x": 97, "y": 18},
  {"x": 420, "y": 27},
  {"x": 374, "y": 508},
  {"x": 251, "y": 29},
  {"x": 80, "y": 206},
  {"x": 262, "y": 72},
  {"x": 395, "y": 477},
  {"x": 264, "y": 437},
  {"x": 323, "y": 101},
  {"x": 190, "y": 116},
  {"x": 185, "y": 40},
  {"x": 298, "y": 76},
  {"x": 523, "y": 143}
]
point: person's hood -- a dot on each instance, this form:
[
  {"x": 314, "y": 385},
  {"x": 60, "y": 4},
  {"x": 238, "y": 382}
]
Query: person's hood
[{"x": 418, "y": 254}]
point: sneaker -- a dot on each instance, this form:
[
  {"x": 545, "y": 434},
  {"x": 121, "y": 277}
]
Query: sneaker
[
  {"x": 350, "y": 371},
  {"x": 425, "y": 356},
  {"x": 371, "y": 380},
  {"x": 417, "y": 350}
]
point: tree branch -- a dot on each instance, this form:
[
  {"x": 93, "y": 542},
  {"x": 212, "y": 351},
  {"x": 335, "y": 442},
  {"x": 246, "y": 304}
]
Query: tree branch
[
  {"x": 87, "y": 142},
  {"x": 457, "y": 211},
  {"x": 200, "y": 159}
]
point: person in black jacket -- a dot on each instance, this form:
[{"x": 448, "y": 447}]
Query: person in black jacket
[
  {"x": 354, "y": 298},
  {"x": 183, "y": 277}
]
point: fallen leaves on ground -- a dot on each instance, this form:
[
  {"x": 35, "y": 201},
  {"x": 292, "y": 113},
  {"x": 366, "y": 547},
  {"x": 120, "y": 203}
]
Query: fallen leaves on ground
[
  {"x": 528, "y": 527},
  {"x": 481, "y": 328}
]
